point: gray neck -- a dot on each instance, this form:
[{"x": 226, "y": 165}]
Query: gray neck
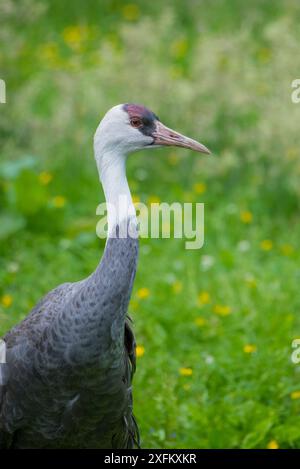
[{"x": 93, "y": 320}]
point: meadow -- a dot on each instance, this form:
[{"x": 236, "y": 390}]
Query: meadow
[{"x": 214, "y": 326}]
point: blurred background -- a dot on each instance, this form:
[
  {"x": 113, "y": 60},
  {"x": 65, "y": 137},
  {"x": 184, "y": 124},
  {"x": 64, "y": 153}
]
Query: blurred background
[{"x": 214, "y": 327}]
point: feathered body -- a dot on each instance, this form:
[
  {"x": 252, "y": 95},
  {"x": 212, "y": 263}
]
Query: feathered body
[
  {"x": 67, "y": 378},
  {"x": 70, "y": 368}
]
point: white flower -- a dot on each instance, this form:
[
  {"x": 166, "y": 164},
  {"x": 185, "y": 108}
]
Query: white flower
[
  {"x": 243, "y": 245},
  {"x": 207, "y": 262},
  {"x": 13, "y": 267},
  {"x": 209, "y": 359}
]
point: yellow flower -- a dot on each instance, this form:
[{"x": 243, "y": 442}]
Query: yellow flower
[
  {"x": 131, "y": 12},
  {"x": 153, "y": 199},
  {"x": 6, "y": 300},
  {"x": 73, "y": 35},
  {"x": 266, "y": 245},
  {"x": 140, "y": 350},
  {"x": 185, "y": 371},
  {"x": 177, "y": 286},
  {"x": 246, "y": 217},
  {"x": 295, "y": 395},
  {"x": 45, "y": 178},
  {"x": 203, "y": 298},
  {"x": 179, "y": 48},
  {"x": 249, "y": 348},
  {"x": 143, "y": 293},
  {"x": 200, "y": 321},
  {"x": 199, "y": 187},
  {"x": 272, "y": 444},
  {"x": 222, "y": 310},
  {"x": 287, "y": 249},
  {"x": 59, "y": 201},
  {"x": 136, "y": 199}
]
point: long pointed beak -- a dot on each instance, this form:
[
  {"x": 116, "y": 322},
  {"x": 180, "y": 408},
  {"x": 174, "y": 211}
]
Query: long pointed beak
[{"x": 164, "y": 136}]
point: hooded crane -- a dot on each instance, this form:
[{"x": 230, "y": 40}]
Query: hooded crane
[{"x": 66, "y": 380}]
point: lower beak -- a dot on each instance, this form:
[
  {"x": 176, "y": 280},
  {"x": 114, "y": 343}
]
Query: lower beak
[{"x": 164, "y": 136}]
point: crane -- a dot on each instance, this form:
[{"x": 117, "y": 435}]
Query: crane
[{"x": 67, "y": 377}]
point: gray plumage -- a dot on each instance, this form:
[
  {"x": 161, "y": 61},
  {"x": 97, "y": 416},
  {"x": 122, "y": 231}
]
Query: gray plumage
[
  {"x": 67, "y": 378},
  {"x": 70, "y": 363}
]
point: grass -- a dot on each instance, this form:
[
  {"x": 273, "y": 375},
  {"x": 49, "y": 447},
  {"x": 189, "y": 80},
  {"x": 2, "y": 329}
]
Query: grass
[{"x": 214, "y": 326}]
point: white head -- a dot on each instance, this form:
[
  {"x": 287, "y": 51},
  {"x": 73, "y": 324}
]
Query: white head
[{"x": 127, "y": 128}]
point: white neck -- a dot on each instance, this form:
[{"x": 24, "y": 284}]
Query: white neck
[{"x": 112, "y": 173}]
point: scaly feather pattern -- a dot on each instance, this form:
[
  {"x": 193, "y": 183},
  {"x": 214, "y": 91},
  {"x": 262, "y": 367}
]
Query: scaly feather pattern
[{"x": 71, "y": 361}]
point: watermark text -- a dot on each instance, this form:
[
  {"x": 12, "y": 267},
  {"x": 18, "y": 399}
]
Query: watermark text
[{"x": 2, "y": 92}]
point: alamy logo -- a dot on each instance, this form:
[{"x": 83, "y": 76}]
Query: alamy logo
[
  {"x": 160, "y": 220},
  {"x": 295, "y": 96},
  {"x": 3, "y": 365},
  {"x": 2, "y": 92},
  {"x": 2, "y": 351},
  {"x": 295, "y": 357}
]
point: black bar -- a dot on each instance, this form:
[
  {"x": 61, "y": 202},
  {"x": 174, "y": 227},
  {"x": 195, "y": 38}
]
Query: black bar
[{"x": 138, "y": 458}]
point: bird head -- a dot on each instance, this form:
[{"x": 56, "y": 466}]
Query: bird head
[{"x": 127, "y": 128}]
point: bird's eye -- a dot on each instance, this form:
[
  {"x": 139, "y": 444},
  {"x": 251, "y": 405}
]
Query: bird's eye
[{"x": 136, "y": 122}]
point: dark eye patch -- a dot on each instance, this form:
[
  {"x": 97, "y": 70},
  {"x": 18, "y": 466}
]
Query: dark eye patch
[
  {"x": 148, "y": 127},
  {"x": 147, "y": 117},
  {"x": 146, "y": 121}
]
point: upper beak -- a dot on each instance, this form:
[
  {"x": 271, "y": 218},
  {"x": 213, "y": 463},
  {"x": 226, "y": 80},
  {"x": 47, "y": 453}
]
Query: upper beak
[{"x": 164, "y": 136}]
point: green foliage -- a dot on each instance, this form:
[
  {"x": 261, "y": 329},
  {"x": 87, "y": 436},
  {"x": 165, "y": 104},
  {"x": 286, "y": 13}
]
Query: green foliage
[{"x": 216, "y": 324}]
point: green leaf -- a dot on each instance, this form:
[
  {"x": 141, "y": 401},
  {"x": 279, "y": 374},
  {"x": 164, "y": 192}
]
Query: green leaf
[{"x": 258, "y": 434}]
